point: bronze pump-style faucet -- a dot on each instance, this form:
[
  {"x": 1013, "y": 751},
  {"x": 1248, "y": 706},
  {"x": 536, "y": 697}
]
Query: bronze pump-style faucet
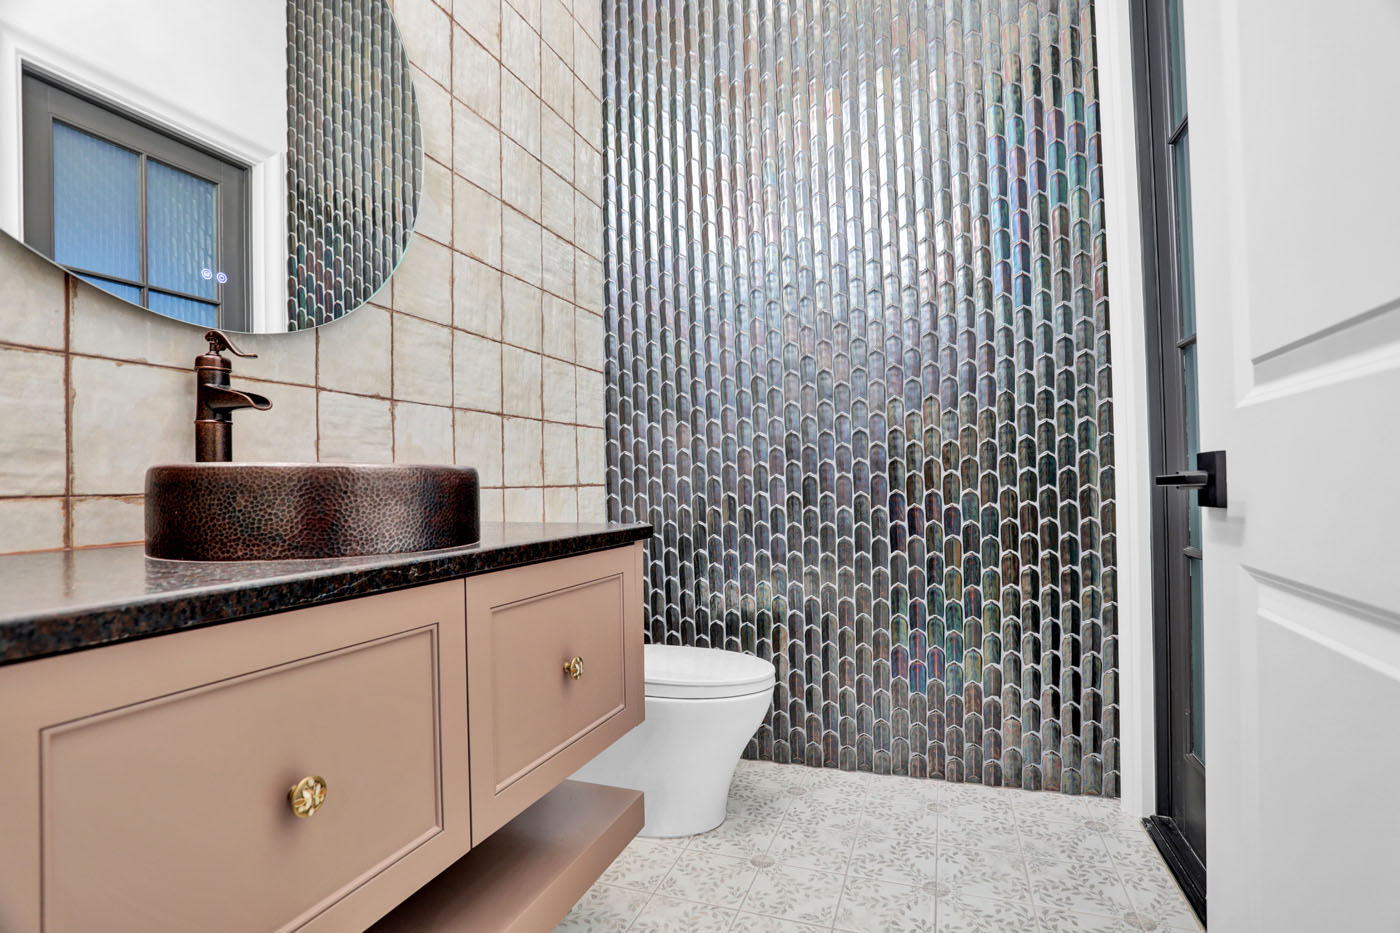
[{"x": 215, "y": 402}]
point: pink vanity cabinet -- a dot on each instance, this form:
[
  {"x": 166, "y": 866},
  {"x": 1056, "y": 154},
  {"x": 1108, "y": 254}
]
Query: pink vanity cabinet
[{"x": 149, "y": 785}]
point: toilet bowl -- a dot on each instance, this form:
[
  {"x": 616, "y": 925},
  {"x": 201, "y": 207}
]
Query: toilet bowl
[{"x": 702, "y": 707}]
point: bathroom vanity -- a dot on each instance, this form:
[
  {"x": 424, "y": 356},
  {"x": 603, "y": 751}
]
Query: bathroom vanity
[{"x": 316, "y": 744}]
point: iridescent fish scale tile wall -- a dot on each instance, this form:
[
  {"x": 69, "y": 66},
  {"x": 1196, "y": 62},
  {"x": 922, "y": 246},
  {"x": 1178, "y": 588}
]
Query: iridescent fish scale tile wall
[
  {"x": 858, "y": 371},
  {"x": 353, "y": 155}
]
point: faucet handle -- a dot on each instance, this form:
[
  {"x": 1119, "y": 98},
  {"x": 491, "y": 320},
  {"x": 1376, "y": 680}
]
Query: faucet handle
[{"x": 218, "y": 341}]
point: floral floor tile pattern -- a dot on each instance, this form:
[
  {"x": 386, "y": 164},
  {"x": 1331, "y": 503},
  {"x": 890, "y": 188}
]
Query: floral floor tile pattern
[{"x": 807, "y": 849}]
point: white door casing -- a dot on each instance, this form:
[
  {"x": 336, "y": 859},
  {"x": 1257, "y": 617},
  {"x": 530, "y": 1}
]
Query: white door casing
[{"x": 1296, "y": 200}]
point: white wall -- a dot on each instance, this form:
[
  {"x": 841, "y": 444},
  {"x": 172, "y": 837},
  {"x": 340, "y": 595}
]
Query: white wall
[
  {"x": 1132, "y": 417},
  {"x": 212, "y": 70}
]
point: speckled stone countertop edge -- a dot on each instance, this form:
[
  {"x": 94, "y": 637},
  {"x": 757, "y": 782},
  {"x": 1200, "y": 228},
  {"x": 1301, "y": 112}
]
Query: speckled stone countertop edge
[{"x": 270, "y": 587}]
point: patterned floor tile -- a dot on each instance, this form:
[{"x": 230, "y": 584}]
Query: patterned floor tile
[
  {"x": 978, "y": 831},
  {"x": 1156, "y": 897},
  {"x": 960, "y": 914},
  {"x": 1078, "y": 885},
  {"x": 1061, "y": 841},
  {"x": 1054, "y": 920},
  {"x": 811, "y": 867},
  {"x": 1134, "y": 854},
  {"x": 1042, "y": 806},
  {"x": 672, "y": 915},
  {"x": 982, "y": 873},
  {"x": 711, "y": 879},
  {"x": 885, "y": 907},
  {"x": 911, "y": 819},
  {"x": 809, "y": 847},
  {"x": 642, "y": 864},
  {"x": 902, "y": 861},
  {"x": 794, "y": 893},
  {"x": 757, "y": 923},
  {"x": 819, "y": 814},
  {"x": 604, "y": 909},
  {"x": 740, "y": 837}
]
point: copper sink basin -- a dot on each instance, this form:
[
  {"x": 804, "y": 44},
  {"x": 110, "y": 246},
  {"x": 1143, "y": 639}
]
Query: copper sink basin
[{"x": 285, "y": 511}]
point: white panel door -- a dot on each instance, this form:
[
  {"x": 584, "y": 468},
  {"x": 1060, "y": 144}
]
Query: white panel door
[{"x": 1295, "y": 161}]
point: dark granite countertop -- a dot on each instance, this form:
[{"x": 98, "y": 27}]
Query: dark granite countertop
[{"x": 60, "y": 601}]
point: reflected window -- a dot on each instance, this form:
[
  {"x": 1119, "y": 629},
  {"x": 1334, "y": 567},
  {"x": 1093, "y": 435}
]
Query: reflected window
[{"x": 134, "y": 210}]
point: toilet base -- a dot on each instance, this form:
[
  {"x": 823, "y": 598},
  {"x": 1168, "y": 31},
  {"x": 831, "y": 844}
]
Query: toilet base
[{"x": 682, "y": 757}]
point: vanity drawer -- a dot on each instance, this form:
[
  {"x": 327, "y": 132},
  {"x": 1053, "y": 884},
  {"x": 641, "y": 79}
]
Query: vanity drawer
[
  {"x": 532, "y": 723},
  {"x": 164, "y": 767}
]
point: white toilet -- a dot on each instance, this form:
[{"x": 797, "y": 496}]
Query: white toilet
[{"x": 702, "y": 707}]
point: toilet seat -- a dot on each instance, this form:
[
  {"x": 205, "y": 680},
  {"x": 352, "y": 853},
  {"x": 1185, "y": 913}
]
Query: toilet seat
[{"x": 686, "y": 673}]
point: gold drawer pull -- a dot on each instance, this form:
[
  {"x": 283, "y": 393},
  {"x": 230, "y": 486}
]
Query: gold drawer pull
[
  {"x": 307, "y": 796},
  {"x": 574, "y": 668}
]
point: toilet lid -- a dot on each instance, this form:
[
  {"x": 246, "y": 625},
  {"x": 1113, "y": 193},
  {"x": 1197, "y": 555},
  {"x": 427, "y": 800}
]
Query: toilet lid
[{"x": 696, "y": 673}]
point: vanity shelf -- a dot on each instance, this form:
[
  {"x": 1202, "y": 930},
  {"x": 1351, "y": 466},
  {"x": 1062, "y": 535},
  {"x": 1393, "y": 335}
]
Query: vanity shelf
[{"x": 527, "y": 875}]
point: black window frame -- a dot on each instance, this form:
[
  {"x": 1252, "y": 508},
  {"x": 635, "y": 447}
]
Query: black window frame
[{"x": 47, "y": 101}]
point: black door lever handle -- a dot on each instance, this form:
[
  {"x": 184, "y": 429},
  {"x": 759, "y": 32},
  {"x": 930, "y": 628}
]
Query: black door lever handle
[
  {"x": 1208, "y": 480},
  {"x": 1191, "y": 479}
]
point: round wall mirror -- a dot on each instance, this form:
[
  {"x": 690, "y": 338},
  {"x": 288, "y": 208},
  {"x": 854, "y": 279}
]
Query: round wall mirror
[{"x": 251, "y": 165}]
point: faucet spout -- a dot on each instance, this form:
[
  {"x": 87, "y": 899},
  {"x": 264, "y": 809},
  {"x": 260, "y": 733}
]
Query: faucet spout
[
  {"x": 215, "y": 401},
  {"x": 219, "y": 398}
]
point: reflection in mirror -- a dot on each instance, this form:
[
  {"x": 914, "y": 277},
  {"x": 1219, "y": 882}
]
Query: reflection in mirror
[{"x": 264, "y": 179}]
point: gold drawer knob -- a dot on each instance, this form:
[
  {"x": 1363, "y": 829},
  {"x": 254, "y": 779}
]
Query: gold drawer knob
[
  {"x": 307, "y": 795},
  {"x": 574, "y": 668}
]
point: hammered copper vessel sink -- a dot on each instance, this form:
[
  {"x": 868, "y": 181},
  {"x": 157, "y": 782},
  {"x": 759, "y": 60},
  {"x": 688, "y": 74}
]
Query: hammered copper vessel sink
[{"x": 286, "y": 511}]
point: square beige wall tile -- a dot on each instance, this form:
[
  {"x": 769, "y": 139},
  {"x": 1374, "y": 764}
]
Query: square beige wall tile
[
  {"x": 354, "y": 429},
  {"x": 422, "y": 361},
  {"x": 423, "y": 281},
  {"x": 492, "y": 505},
  {"x": 557, "y": 81},
  {"x": 435, "y": 203},
  {"x": 422, "y": 434},
  {"x": 32, "y": 311},
  {"x": 476, "y": 372},
  {"x": 588, "y": 336},
  {"x": 476, "y": 76},
  {"x": 354, "y": 354},
  {"x": 560, "y": 455},
  {"x": 520, "y": 47},
  {"x": 286, "y": 432},
  {"x": 435, "y": 117},
  {"x": 34, "y": 440},
  {"x": 32, "y": 524},
  {"x": 476, "y": 150},
  {"x": 478, "y": 442},
  {"x": 520, "y": 244},
  {"x": 520, "y": 179},
  {"x": 114, "y": 444},
  {"x": 592, "y": 457},
  {"x": 592, "y": 504},
  {"x": 476, "y": 222},
  {"x": 558, "y": 328},
  {"x": 524, "y": 505},
  {"x": 482, "y": 20},
  {"x": 521, "y": 316},
  {"x": 590, "y": 397},
  {"x": 520, "y": 112},
  {"x": 476, "y": 297},
  {"x": 520, "y": 377},
  {"x": 560, "y": 504},
  {"x": 522, "y": 452},
  {"x": 108, "y": 520},
  {"x": 558, "y": 391},
  {"x": 427, "y": 34},
  {"x": 557, "y": 260}
]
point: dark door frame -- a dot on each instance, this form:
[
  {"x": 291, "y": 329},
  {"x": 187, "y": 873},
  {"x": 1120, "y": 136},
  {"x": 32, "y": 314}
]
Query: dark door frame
[{"x": 1169, "y": 596}]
